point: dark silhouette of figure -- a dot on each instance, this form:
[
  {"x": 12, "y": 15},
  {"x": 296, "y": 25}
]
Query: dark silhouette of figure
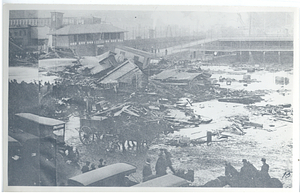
[
  {"x": 248, "y": 174},
  {"x": 168, "y": 161},
  {"x": 85, "y": 168},
  {"x": 147, "y": 171},
  {"x": 102, "y": 164},
  {"x": 245, "y": 179},
  {"x": 264, "y": 173},
  {"x": 230, "y": 171},
  {"x": 161, "y": 166},
  {"x": 93, "y": 166}
]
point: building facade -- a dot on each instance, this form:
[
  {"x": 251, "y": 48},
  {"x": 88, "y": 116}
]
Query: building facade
[{"x": 86, "y": 39}]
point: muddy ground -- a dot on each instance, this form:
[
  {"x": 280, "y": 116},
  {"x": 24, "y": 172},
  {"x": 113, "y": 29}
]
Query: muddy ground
[{"x": 274, "y": 141}]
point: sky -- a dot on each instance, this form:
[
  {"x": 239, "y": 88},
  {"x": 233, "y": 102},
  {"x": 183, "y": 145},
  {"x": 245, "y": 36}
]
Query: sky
[
  {"x": 204, "y": 20},
  {"x": 138, "y": 23}
]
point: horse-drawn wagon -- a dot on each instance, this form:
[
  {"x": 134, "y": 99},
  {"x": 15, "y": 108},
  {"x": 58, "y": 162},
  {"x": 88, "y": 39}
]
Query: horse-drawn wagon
[
  {"x": 100, "y": 129},
  {"x": 113, "y": 127}
]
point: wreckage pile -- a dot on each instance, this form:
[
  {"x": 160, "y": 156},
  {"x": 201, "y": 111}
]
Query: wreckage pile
[
  {"x": 58, "y": 53},
  {"x": 282, "y": 112}
]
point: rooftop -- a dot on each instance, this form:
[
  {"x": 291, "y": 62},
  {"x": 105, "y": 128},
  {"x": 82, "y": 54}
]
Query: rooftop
[
  {"x": 135, "y": 51},
  {"x": 118, "y": 72},
  {"x": 174, "y": 74},
  {"x": 97, "y": 64},
  {"x": 40, "y": 120},
  {"x": 102, "y": 174},
  {"x": 86, "y": 29}
]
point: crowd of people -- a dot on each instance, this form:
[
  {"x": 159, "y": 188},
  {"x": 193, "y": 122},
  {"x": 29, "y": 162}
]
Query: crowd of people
[
  {"x": 89, "y": 167},
  {"x": 248, "y": 176}
]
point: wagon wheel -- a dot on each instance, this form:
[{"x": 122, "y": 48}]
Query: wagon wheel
[{"x": 86, "y": 135}]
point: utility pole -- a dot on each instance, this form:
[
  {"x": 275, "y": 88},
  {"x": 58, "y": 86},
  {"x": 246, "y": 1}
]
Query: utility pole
[{"x": 250, "y": 23}]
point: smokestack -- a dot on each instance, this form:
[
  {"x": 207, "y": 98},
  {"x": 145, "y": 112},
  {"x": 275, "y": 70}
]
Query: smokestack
[{"x": 56, "y": 20}]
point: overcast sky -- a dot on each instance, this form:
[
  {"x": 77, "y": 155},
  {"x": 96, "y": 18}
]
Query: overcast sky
[{"x": 192, "y": 19}]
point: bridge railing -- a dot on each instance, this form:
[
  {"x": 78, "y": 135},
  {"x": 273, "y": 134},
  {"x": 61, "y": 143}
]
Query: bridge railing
[{"x": 228, "y": 48}]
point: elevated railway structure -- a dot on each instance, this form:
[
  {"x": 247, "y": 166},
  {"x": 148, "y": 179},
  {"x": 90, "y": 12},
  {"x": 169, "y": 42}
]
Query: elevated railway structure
[{"x": 244, "y": 48}]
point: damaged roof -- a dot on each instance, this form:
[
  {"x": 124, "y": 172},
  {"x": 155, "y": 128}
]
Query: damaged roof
[
  {"x": 105, "y": 56},
  {"x": 138, "y": 52},
  {"x": 174, "y": 74},
  {"x": 97, "y": 64},
  {"x": 120, "y": 71},
  {"x": 86, "y": 29}
]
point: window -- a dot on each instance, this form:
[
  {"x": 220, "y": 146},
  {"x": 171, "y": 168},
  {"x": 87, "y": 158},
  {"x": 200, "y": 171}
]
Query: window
[
  {"x": 113, "y": 36},
  {"x": 24, "y": 32},
  {"x": 89, "y": 37},
  {"x": 106, "y": 36},
  {"x": 75, "y": 38},
  {"x": 81, "y": 38},
  {"x": 16, "y": 33},
  {"x": 20, "y": 33}
]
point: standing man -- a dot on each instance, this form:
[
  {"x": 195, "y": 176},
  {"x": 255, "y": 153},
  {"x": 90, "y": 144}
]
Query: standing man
[
  {"x": 264, "y": 172},
  {"x": 245, "y": 174},
  {"x": 265, "y": 166},
  {"x": 85, "y": 168},
  {"x": 168, "y": 161},
  {"x": 161, "y": 166},
  {"x": 147, "y": 170},
  {"x": 101, "y": 163},
  {"x": 93, "y": 166}
]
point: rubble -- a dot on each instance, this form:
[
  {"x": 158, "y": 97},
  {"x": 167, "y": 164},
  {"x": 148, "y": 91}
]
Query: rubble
[
  {"x": 283, "y": 112},
  {"x": 176, "y": 90},
  {"x": 242, "y": 99}
]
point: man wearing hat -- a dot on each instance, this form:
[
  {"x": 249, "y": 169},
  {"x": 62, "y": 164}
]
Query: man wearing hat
[
  {"x": 264, "y": 172},
  {"x": 161, "y": 165},
  {"x": 244, "y": 168},
  {"x": 147, "y": 169},
  {"x": 168, "y": 160},
  {"x": 101, "y": 163},
  {"x": 265, "y": 166},
  {"x": 247, "y": 174},
  {"x": 86, "y": 168}
]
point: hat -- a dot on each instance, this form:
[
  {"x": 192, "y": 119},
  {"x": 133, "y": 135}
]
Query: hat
[
  {"x": 101, "y": 160},
  {"x": 244, "y": 160},
  {"x": 263, "y": 159},
  {"x": 148, "y": 160}
]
